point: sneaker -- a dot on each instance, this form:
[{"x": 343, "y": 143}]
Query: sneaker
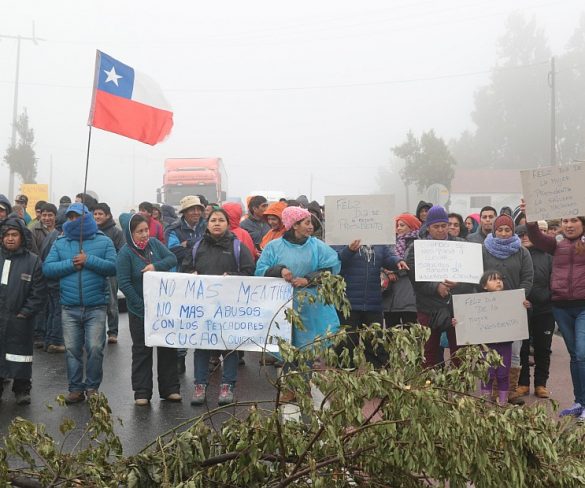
[
  {"x": 581, "y": 418},
  {"x": 112, "y": 339},
  {"x": 199, "y": 394},
  {"x": 54, "y": 348},
  {"x": 173, "y": 397},
  {"x": 574, "y": 410},
  {"x": 181, "y": 365},
  {"x": 141, "y": 402},
  {"x": 74, "y": 397},
  {"x": 522, "y": 390},
  {"x": 22, "y": 398},
  {"x": 226, "y": 394},
  {"x": 541, "y": 392}
]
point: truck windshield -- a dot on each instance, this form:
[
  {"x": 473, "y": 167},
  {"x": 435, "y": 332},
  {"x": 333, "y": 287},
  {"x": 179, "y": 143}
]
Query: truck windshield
[{"x": 174, "y": 194}]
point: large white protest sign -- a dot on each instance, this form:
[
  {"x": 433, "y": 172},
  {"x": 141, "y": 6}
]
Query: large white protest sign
[
  {"x": 364, "y": 217},
  {"x": 448, "y": 260},
  {"x": 485, "y": 318},
  {"x": 554, "y": 192},
  {"x": 215, "y": 312}
]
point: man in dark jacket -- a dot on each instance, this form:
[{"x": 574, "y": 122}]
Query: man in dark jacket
[
  {"x": 5, "y": 207},
  {"x": 255, "y": 223},
  {"x": 182, "y": 234},
  {"x": 103, "y": 218},
  {"x": 541, "y": 322},
  {"x": 23, "y": 294},
  {"x": 434, "y": 297},
  {"x": 487, "y": 216},
  {"x": 64, "y": 203}
]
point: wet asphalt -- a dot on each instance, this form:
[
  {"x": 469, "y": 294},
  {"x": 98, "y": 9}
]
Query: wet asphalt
[{"x": 138, "y": 426}]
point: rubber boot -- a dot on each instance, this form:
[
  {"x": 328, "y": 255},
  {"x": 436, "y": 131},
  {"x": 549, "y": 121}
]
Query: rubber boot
[
  {"x": 513, "y": 397},
  {"x": 503, "y": 398}
]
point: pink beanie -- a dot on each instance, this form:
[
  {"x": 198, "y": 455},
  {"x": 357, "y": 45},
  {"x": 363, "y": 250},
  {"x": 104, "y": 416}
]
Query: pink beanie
[{"x": 292, "y": 215}]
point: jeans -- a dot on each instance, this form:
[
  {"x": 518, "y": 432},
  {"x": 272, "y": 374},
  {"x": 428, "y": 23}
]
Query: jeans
[
  {"x": 516, "y": 348},
  {"x": 571, "y": 322},
  {"x": 54, "y": 332},
  {"x": 168, "y": 377},
  {"x": 541, "y": 328},
  {"x": 113, "y": 306},
  {"x": 201, "y": 365},
  {"x": 84, "y": 328},
  {"x": 40, "y": 320}
]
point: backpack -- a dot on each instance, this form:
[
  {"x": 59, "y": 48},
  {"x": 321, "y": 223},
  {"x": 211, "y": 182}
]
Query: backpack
[{"x": 237, "y": 245}]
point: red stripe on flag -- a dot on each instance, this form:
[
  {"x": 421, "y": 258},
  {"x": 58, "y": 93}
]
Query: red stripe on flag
[{"x": 130, "y": 119}]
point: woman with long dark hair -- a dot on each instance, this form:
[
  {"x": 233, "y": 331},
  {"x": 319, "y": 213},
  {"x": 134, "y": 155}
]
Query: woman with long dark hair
[{"x": 219, "y": 252}]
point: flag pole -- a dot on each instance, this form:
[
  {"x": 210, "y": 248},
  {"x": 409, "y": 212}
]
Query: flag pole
[{"x": 84, "y": 188}]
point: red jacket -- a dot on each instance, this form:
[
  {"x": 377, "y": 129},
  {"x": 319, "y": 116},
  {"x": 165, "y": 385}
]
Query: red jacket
[
  {"x": 155, "y": 229},
  {"x": 567, "y": 281},
  {"x": 234, "y": 211}
]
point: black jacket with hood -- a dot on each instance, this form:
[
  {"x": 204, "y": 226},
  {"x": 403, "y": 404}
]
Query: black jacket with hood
[
  {"x": 23, "y": 294},
  {"x": 216, "y": 257}
]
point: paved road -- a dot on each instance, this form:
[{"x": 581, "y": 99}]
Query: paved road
[{"x": 142, "y": 424}]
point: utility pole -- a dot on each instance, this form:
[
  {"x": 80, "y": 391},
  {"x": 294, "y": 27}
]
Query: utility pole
[
  {"x": 18, "y": 38},
  {"x": 553, "y": 114}
]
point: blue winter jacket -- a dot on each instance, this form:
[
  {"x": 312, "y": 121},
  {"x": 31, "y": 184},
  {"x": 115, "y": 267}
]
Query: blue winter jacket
[
  {"x": 303, "y": 260},
  {"x": 361, "y": 272},
  {"x": 87, "y": 287},
  {"x": 131, "y": 262}
]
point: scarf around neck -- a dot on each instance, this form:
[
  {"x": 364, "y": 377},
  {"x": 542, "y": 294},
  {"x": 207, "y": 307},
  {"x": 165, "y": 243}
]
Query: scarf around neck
[
  {"x": 401, "y": 244},
  {"x": 73, "y": 230},
  {"x": 502, "y": 248}
]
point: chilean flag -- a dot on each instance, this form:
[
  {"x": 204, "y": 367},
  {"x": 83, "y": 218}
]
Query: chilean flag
[{"x": 128, "y": 102}]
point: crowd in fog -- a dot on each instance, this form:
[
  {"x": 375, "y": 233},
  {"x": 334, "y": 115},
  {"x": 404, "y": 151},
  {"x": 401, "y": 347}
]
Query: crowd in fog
[{"x": 62, "y": 267}]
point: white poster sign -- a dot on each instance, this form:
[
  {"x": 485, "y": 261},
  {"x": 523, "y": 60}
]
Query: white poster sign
[
  {"x": 369, "y": 218},
  {"x": 215, "y": 312},
  {"x": 448, "y": 260},
  {"x": 554, "y": 192},
  {"x": 485, "y": 318}
]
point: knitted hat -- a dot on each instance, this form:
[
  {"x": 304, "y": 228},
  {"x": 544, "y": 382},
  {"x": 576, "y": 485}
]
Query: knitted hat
[
  {"x": 292, "y": 215},
  {"x": 436, "y": 215},
  {"x": 543, "y": 225},
  {"x": 503, "y": 220},
  {"x": 409, "y": 220}
]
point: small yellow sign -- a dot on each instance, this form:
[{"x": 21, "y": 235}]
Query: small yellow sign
[{"x": 35, "y": 193}]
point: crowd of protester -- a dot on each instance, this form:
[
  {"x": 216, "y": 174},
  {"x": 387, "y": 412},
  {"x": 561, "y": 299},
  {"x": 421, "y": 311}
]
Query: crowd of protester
[{"x": 61, "y": 269}]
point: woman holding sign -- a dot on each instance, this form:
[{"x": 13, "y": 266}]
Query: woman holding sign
[
  {"x": 218, "y": 253},
  {"x": 567, "y": 285},
  {"x": 139, "y": 255},
  {"x": 299, "y": 258}
]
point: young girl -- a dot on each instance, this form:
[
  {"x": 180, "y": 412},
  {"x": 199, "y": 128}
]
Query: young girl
[{"x": 494, "y": 281}]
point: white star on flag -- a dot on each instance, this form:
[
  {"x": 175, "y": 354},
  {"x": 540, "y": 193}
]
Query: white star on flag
[{"x": 112, "y": 76}]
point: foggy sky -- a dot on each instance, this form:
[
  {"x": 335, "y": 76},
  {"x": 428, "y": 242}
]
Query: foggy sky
[{"x": 279, "y": 90}]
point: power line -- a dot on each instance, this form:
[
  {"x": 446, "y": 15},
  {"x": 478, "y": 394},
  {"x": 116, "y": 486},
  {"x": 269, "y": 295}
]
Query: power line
[{"x": 311, "y": 87}]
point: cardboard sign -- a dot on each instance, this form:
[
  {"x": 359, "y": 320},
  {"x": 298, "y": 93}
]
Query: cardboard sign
[
  {"x": 554, "y": 192},
  {"x": 35, "y": 193},
  {"x": 215, "y": 312},
  {"x": 448, "y": 260},
  {"x": 365, "y": 217},
  {"x": 485, "y": 318}
]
